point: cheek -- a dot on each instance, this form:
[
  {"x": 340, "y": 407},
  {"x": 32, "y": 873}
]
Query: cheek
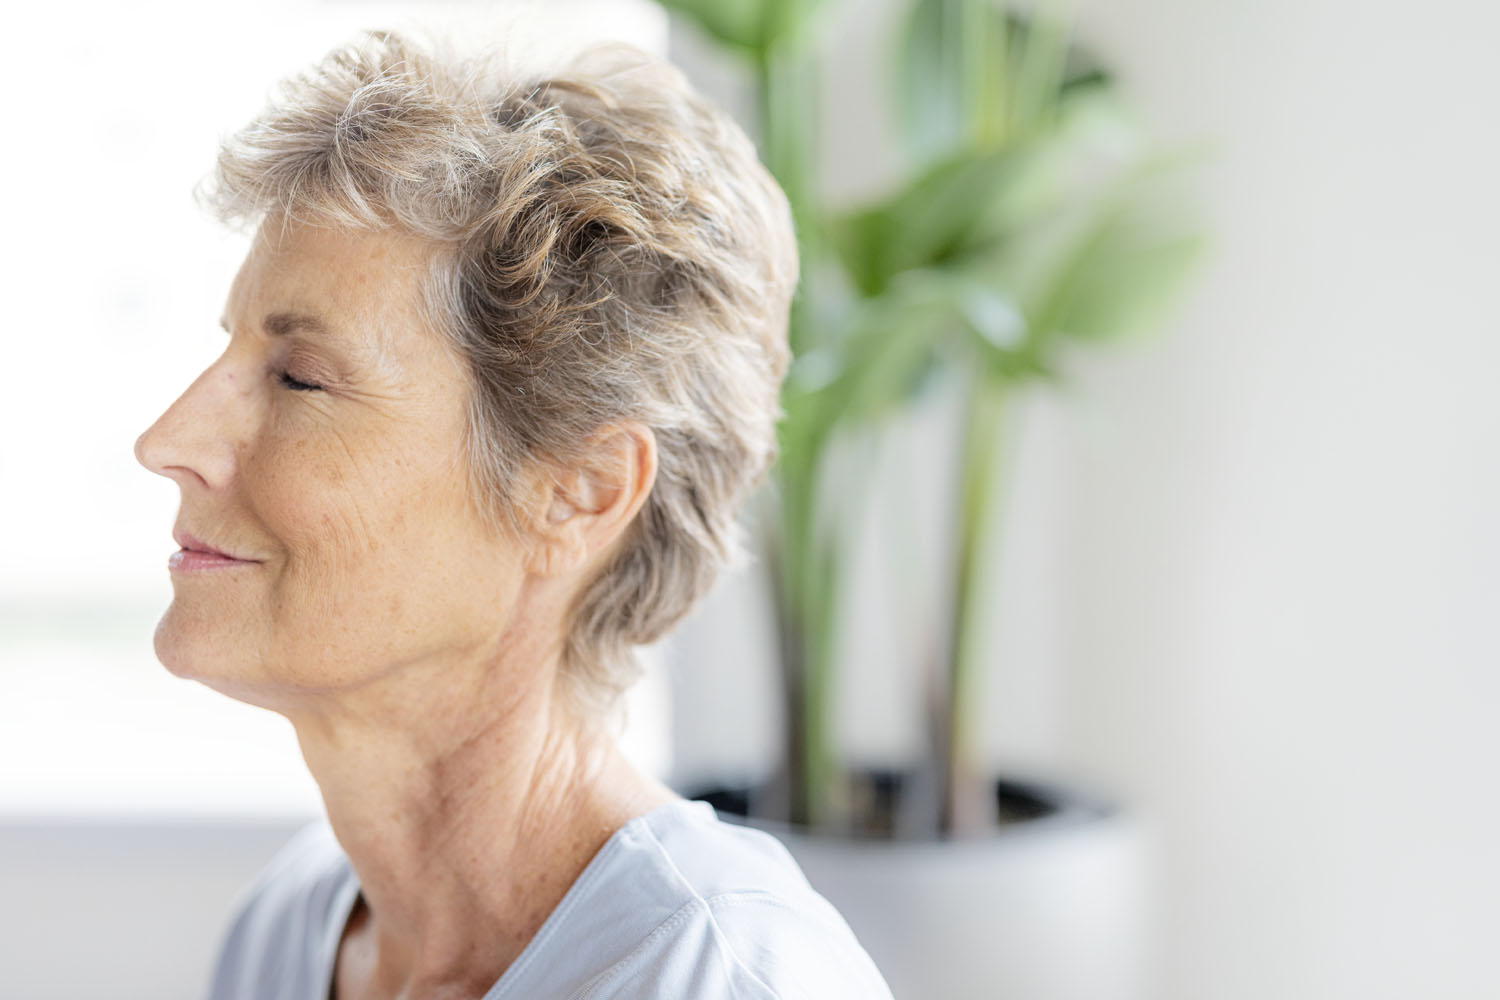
[
  {"x": 379, "y": 551},
  {"x": 356, "y": 521},
  {"x": 314, "y": 501}
]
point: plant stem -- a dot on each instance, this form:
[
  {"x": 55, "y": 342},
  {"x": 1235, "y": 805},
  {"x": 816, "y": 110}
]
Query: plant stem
[
  {"x": 786, "y": 95},
  {"x": 980, "y": 64},
  {"x": 786, "y": 102},
  {"x": 806, "y": 599},
  {"x": 1043, "y": 60},
  {"x": 966, "y": 800}
]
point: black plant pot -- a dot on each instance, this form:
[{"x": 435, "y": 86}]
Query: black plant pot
[{"x": 877, "y": 805}]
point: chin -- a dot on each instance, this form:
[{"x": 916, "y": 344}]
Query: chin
[
  {"x": 169, "y": 646},
  {"x": 225, "y": 660},
  {"x": 196, "y": 651}
]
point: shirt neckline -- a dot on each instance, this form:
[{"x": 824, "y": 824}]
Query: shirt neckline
[{"x": 349, "y": 895}]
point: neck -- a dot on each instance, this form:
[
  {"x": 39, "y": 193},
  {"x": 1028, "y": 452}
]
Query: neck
[{"x": 467, "y": 808}]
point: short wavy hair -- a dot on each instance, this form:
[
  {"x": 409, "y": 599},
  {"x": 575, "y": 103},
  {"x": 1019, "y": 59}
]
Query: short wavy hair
[{"x": 607, "y": 247}]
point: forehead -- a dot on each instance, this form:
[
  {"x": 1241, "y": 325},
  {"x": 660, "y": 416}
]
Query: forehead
[{"x": 361, "y": 290}]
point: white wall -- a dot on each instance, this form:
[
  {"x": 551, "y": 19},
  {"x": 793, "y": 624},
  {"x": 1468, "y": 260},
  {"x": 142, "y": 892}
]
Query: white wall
[{"x": 1284, "y": 553}]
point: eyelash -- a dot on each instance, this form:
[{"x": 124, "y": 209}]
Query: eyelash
[{"x": 296, "y": 385}]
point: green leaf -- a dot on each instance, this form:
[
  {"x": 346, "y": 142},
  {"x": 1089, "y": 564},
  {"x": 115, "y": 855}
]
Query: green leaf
[
  {"x": 888, "y": 346},
  {"x": 926, "y": 223},
  {"x": 787, "y": 21},
  {"x": 883, "y": 366},
  {"x": 978, "y": 199},
  {"x": 930, "y": 81},
  {"x": 1042, "y": 78},
  {"x": 736, "y": 23},
  {"x": 1123, "y": 281},
  {"x": 1125, "y": 256},
  {"x": 970, "y": 74},
  {"x": 992, "y": 315},
  {"x": 753, "y": 26}
]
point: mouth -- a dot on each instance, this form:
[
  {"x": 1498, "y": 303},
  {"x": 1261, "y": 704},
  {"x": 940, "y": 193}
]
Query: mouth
[{"x": 197, "y": 554}]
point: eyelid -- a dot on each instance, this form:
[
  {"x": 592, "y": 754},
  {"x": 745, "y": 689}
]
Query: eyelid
[
  {"x": 295, "y": 384},
  {"x": 305, "y": 366}
]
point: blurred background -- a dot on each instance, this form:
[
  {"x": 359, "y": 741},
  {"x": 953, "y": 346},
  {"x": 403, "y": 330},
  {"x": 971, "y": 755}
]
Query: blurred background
[{"x": 1249, "y": 568}]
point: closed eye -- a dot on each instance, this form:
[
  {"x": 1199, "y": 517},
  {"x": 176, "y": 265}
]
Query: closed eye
[{"x": 296, "y": 385}]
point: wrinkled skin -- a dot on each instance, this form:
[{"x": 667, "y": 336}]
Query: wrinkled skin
[{"x": 353, "y": 497}]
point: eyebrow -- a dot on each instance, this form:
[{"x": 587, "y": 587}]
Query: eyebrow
[{"x": 283, "y": 324}]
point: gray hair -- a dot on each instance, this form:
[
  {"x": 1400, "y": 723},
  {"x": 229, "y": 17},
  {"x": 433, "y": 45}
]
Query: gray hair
[{"x": 607, "y": 247}]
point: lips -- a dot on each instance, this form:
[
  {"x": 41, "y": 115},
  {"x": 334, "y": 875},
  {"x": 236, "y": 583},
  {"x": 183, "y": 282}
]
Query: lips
[{"x": 197, "y": 554}]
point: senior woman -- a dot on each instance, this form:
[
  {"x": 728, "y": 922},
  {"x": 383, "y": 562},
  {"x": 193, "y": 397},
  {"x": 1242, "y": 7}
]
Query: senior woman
[{"x": 502, "y": 363}]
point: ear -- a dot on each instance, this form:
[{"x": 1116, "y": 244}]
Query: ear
[{"x": 587, "y": 508}]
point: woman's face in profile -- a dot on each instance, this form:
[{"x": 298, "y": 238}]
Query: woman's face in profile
[{"x": 323, "y": 451}]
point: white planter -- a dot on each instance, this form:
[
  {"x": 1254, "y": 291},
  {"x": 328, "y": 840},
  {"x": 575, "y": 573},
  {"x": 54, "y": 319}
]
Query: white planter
[{"x": 1046, "y": 909}]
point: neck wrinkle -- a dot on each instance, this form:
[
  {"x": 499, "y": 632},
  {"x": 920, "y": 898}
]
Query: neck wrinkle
[{"x": 467, "y": 808}]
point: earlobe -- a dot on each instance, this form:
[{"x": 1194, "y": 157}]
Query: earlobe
[{"x": 556, "y": 556}]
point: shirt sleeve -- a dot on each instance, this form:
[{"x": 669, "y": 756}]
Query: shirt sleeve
[
  {"x": 277, "y": 935},
  {"x": 744, "y": 946}
]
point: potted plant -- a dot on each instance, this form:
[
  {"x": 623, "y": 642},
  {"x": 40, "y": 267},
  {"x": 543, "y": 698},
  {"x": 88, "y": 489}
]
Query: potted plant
[{"x": 1031, "y": 221}]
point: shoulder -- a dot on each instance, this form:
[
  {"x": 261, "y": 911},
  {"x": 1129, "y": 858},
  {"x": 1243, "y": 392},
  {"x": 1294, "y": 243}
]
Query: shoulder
[
  {"x": 714, "y": 911},
  {"x": 279, "y": 928}
]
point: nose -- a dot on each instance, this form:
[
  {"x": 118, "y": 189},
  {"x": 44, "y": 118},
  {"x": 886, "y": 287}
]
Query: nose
[{"x": 194, "y": 441}]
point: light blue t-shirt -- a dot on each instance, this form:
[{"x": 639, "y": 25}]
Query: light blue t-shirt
[{"x": 677, "y": 904}]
